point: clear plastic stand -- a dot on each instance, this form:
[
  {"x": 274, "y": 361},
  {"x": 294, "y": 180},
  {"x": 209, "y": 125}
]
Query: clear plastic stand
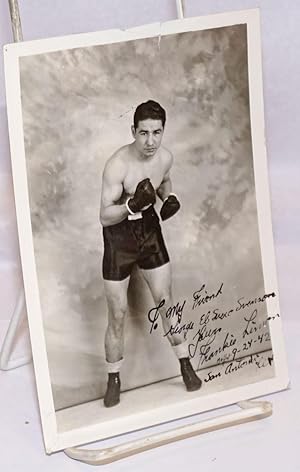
[
  {"x": 6, "y": 363},
  {"x": 248, "y": 410}
]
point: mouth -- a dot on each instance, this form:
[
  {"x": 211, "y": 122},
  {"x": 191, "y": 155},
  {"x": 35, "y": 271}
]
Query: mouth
[{"x": 150, "y": 149}]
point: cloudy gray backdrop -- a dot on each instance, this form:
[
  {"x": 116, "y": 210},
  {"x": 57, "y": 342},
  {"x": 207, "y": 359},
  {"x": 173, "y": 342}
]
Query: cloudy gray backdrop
[{"x": 77, "y": 110}]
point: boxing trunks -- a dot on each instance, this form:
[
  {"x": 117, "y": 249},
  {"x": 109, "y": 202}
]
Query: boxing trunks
[{"x": 133, "y": 241}]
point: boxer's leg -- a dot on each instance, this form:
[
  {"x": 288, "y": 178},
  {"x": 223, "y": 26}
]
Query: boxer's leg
[
  {"x": 116, "y": 296},
  {"x": 159, "y": 282}
]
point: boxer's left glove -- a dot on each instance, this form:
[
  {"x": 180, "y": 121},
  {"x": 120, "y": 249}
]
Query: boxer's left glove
[
  {"x": 144, "y": 195},
  {"x": 170, "y": 206}
]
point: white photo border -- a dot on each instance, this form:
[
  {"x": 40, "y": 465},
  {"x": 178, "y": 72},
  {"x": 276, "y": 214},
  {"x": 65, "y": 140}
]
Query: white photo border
[{"x": 54, "y": 440}]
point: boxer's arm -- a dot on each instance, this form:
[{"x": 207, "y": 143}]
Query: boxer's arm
[
  {"x": 165, "y": 187},
  {"x": 111, "y": 212},
  {"x": 171, "y": 203}
]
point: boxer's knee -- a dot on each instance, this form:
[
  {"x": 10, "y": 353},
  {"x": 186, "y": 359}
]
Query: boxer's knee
[{"x": 163, "y": 295}]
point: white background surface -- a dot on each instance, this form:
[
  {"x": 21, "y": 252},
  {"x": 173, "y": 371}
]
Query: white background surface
[{"x": 269, "y": 444}]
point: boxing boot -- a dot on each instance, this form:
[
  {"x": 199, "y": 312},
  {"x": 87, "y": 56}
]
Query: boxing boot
[
  {"x": 112, "y": 395},
  {"x": 191, "y": 380}
]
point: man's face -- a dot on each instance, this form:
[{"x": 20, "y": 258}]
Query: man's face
[{"x": 148, "y": 136}]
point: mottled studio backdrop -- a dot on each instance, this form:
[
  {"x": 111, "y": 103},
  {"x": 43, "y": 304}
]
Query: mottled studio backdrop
[{"x": 77, "y": 110}]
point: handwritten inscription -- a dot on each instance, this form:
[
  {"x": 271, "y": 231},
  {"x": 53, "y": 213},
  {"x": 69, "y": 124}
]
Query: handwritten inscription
[
  {"x": 211, "y": 341},
  {"x": 242, "y": 304},
  {"x": 204, "y": 333},
  {"x": 260, "y": 361},
  {"x": 180, "y": 328},
  {"x": 252, "y": 326},
  {"x": 202, "y": 296},
  {"x": 175, "y": 311}
]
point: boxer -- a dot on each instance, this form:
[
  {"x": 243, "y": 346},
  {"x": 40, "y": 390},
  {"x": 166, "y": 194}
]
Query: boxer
[{"x": 134, "y": 176}]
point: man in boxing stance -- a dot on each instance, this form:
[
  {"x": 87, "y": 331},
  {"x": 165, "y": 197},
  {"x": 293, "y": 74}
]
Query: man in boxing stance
[{"x": 132, "y": 179}]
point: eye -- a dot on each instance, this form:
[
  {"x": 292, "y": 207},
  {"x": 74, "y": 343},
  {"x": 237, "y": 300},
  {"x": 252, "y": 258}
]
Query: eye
[{"x": 157, "y": 131}]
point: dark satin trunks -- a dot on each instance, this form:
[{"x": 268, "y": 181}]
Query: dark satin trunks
[{"x": 133, "y": 242}]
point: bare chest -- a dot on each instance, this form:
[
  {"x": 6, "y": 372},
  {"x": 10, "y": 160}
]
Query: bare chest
[{"x": 140, "y": 171}]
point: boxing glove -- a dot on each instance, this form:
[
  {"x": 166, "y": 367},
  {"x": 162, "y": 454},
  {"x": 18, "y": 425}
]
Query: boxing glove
[
  {"x": 170, "y": 206},
  {"x": 144, "y": 195}
]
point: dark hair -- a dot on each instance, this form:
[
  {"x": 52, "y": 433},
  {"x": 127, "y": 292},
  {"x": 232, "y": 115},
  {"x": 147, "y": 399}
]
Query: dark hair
[{"x": 149, "y": 109}]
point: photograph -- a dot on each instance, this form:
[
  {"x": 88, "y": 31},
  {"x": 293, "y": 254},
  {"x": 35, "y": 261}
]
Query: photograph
[{"x": 141, "y": 188}]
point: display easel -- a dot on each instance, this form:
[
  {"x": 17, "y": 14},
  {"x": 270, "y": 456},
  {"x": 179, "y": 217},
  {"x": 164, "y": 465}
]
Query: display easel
[{"x": 249, "y": 410}]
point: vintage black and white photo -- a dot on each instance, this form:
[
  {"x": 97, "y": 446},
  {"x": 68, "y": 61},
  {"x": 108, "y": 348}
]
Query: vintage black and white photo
[{"x": 144, "y": 167}]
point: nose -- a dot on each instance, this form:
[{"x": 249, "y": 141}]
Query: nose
[{"x": 150, "y": 139}]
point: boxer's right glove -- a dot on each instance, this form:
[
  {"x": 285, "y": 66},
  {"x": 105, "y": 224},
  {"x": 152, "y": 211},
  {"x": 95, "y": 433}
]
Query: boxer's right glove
[{"x": 144, "y": 195}]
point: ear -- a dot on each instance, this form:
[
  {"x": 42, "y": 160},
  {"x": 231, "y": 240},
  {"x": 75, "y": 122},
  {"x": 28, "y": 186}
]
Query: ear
[{"x": 133, "y": 131}]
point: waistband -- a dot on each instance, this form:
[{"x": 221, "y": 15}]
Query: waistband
[
  {"x": 147, "y": 218},
  {"x": 140, "y": 214}
]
